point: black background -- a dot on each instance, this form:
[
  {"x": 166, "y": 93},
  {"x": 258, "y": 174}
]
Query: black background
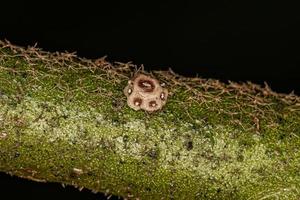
[{"x": 239, "y": 41}]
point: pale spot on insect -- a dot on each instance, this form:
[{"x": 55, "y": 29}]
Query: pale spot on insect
[
  {"x": 162, "y": 96},
  {"x": 137, "y": 101},
  {"x": 152, "y": 103},
  {"x": 146, "y": 84}
]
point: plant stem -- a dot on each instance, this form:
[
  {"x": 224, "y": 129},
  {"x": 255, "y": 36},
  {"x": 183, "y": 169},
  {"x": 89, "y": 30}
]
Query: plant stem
[{"x": 65, "y": 119}]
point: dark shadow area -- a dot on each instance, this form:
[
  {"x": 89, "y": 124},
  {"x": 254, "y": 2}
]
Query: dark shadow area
[
  {"x": 242, "y": 41},
  {"x": 229, "y": 41},
  {"x": 13, "y": 187}
]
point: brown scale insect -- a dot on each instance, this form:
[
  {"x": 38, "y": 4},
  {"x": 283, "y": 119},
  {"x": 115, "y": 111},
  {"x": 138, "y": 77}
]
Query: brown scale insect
[{"x": 144, "y": 92}]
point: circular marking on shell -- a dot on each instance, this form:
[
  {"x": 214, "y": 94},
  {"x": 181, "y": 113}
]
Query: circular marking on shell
[
  {"x": 152, "y": 104},
  {"x": 146, "y": 85},
  {"x": 137, "y": 101}
]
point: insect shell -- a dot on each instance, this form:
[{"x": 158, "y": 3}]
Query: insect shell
[{"x": 144, "y": 92}]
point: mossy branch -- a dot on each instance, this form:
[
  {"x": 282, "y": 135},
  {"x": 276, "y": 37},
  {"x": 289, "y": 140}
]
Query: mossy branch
[{"x": 65, "y": 119}]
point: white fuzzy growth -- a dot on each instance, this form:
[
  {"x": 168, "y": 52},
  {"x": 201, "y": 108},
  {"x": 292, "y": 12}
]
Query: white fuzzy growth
[{"x": 134, "y": 140}]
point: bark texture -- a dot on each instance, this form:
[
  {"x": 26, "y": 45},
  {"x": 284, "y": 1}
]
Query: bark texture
[{"x": 65, "y": 119}]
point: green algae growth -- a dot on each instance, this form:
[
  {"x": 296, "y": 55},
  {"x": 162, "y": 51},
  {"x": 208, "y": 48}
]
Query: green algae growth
[{"x": 65, "y": 119}]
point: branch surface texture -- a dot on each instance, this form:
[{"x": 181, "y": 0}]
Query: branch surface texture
[{"x": 66, "y": 119}]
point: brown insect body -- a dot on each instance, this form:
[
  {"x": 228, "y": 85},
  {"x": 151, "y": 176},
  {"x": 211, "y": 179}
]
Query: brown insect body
[{"x": 144, "y": 92}]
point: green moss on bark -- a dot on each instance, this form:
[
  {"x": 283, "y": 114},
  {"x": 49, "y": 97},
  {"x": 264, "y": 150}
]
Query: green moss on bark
[{"x": 65, "y": 119}]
